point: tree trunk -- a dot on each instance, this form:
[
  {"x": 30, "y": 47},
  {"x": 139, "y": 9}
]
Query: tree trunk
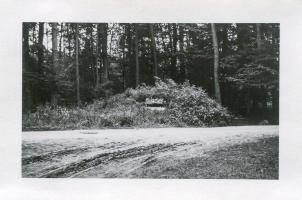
[
  {"x": 216, "y": 64},
  {"x": 137, "y": 81},
  {"x": 182, "y": 56},
  {"x": 54, "y": 45},
  {"x": 123, "y": 63},
  {"x": 188, "y": 43},
  {"x": 69, "y": 40},
  {"x": 25, "y": 45},
  {"x": 258, "y": 36},
  {"x": 40, "y": 45},
  {"x": 130, "y": 76},
  {"x": 61, "y": 40},
  {"x": 173, "y": 45},
  {"x": 111, "y": 39},
  {"x": 34, "y": 33},
  {"x": 122, "y": 58},
  {"x": 77, "y": 64},
  {"x": 104, "y": 40},
  {"x": 153, "y": 46},
  {"x": 97, "y": 61},
  {"x": 26, "y": 95},
  {"x": 171, "y": 70},
  {"x": 46, "y": 34},
  {"x": 54, "y": 60}
]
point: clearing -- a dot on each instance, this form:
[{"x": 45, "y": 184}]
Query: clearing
[{"x": 249, "y": 152}]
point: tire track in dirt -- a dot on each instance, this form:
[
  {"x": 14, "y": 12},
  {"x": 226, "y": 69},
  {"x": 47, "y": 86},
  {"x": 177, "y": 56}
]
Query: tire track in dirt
[
  {"x": 104, "y": 158},
  {"x": 50, "y": 155},
  {"x": 37, "y": 165},
  {"x": 125, "y": 165}
]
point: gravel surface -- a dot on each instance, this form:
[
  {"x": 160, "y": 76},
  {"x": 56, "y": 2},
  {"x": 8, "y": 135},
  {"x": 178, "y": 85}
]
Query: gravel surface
[{"x": 143, "y": 153}]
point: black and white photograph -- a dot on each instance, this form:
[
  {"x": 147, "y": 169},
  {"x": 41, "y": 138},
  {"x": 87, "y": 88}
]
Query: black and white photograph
[
  {"x": 150, "y": 100},
  {"x": 145, "y": 100}
]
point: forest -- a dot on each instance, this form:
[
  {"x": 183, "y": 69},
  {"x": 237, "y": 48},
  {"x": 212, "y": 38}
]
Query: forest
[{"x": 96, "y": 75}]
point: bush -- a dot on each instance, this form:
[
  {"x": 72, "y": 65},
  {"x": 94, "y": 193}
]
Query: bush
[{"x": 186, "y": 106}]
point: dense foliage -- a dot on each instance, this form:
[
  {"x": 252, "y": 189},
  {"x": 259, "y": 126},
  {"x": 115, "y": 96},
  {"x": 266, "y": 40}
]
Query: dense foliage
[
  {"x": 112, "y": 58},
  {"x": 186, "y": 105}
]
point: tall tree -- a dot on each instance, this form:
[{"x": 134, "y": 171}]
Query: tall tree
[
  {"x": 172, "y": 67},
  {"x": 216, "y": 64},
  {"x": 188, "y": 59},
  {"x": 123, "y": 55},
  {"x": 137, "y": 80},
  {"x": 130, "y": 57},
  {"x": 97, "y": 61},
  {"x": 174, "y": 39},
  {"x": 69, "y": 39},
  {"x": 25, "y": 44},
  {"x": 153, "y": 46},
  {"x": 61, "y": 39},
  {"x": 46, "y": 37},
  {"x": 26, "y": 94},
  {"x": 104, "y": 41},
  {"x": 34, "y": 32},
  {"x": 182, "y": 56},
  {"x": 40, "y": 45},
  {"x": 258, "y": 30},
  {"x": 54, "y": 60},
  {"x": 77, "y": 64}
]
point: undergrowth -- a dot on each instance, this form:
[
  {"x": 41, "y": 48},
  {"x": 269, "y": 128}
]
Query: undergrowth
[{"x": 186, "y": 106}]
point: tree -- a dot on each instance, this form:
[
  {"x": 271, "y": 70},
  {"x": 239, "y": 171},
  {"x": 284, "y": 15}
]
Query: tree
[
  {"x": 137, "y": 81},
  {"x": 258, "y": 36},
  {"x": 77, "y": 65},
  {"x": 216, "y": 64},
  {"x": 40, "y": 45},
  {"x": 97, "y": 62},
  {"x": 69, "y": 39},
  {"x": 123, "y": 43},
  {"x": 174, "y": 50},
  {"x": 183, "y": 75},
  {"x": 61, "y": 39},
  {"x": 172, "y": 29},
  {"x": 26, "y": 95},
  {"x": 104, "y": 41},
  {"x": 130, "y": 79},
  {"x": 46, "y": 36},
  {"x": 54, "y": 60},
  {"x": 153, "y": 46}
]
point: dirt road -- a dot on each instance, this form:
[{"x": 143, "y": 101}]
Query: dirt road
[{"x": 153, "y": 153}]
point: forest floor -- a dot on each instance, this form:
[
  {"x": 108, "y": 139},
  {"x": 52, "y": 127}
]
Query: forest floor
[{"x": 247, "y": 152}]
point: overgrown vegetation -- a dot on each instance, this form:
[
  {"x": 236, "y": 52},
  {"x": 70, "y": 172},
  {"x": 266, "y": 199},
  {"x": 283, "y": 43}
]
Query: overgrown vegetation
[{"x": 186, "y": 105}]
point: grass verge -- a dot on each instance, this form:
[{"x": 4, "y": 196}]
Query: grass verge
[{"x": 255, "y": 160}]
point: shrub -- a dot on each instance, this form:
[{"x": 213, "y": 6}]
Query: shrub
[{"x": 186, "y": 105}]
